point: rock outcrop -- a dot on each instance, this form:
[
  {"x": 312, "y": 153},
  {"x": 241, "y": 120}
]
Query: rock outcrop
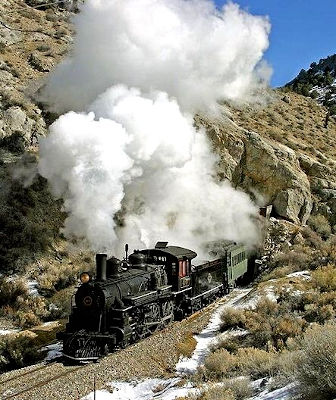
[{"x": 294, "y": 183}]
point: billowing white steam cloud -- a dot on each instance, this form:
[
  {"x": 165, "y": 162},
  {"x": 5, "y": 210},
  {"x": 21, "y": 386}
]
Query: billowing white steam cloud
[
  {"x": 133, "y": 167},
  {"x": 186, "y": 48}
]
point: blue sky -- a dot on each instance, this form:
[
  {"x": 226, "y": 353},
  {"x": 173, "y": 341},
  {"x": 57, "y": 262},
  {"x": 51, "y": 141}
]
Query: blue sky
[{"x": 303, "y": 31}]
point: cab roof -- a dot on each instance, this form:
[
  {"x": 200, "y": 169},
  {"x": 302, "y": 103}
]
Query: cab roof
[{"x": 179, "y": 252}]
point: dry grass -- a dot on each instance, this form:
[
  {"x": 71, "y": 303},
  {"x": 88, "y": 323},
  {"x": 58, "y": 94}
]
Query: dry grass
[
  {"x": 216, "y": 392},
  {"x": 299, "y": 125},
  {"x": 187, "y": 346},
  {"x": 29, "y": 19}
]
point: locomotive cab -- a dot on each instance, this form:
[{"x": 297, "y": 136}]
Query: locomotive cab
[{"x": 175, "y": 260}]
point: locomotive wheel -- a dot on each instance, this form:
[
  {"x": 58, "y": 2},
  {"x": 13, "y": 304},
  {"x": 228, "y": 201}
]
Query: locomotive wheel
[
  {"x": 168, "y": 310},
  {"x": 153, "y": 315},
  {"x": 197, "y": 305}
]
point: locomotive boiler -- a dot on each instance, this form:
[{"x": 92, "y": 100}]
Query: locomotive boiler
[{"x": 129, "y": 299}]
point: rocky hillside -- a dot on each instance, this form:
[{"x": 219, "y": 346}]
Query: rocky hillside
[
  {"x": 279, "y": 152},
  {"x": 31, "y": 43},
  {"x": 318, "y": 82}
]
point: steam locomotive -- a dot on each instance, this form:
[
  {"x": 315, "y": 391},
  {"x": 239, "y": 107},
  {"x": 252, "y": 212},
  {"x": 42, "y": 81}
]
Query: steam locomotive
[{"x": 131, "y": 298}]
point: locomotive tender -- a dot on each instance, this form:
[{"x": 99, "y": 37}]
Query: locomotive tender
[{"x": 130, "y": 299}]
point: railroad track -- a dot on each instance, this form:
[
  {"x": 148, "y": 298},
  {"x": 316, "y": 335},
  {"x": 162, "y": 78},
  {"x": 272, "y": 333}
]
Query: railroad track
[{"x": 33, "y": 379}]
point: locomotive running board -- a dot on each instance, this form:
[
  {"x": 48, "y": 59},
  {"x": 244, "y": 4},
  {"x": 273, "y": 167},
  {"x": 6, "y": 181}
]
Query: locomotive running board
[
  {"x": 182, "y": 291},
  {"x": 80, "y": 358},
  {"x": 142, "y": 298},
  {"x": 208, "y": 292}
]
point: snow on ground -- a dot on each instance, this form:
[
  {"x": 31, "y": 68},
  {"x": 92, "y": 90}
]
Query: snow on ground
[
  {"x": 286, "y": 393},
  {"x": 208, "y": 336},
  {"x": 161, "y": 389},
  {"x": 8, "y": 331},
  {"x": 32, "y": 287},
  {"x": 251, "y": 301},
  {"x": 54, "y": 351},
  {"x": 301, "y": 274}
]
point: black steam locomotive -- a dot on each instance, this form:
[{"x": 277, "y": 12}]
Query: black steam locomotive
[{"x": 130, "y": 299}]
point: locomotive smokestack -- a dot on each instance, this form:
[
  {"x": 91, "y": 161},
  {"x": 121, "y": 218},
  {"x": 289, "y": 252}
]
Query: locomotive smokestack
[{"x": 101, "y": 267}]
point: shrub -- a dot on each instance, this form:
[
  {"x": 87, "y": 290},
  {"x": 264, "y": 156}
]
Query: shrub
[
  {"x": 247, "y": 361},
  {"x": 15, "y": 143},
  {"x": 219, "y": 364},
  {"x": 324, "y": 278},
  {"x": 11, "y": 289},
  {"x": 30, "y": 220},
  {"x": 43, "y": 47},
  {"x": 59, "y": 305},
  {"x": 241, "y": 387},
  {"x": 232, "y": 344},
  {"x": 271, "y": 324},
  {"x": 298, "y": 258},
  {"x": 255, "y": 362},
  {"x": 16, "y": 303},
  {"x": 320, "y": 225},
  {"x": 17, "y": 350},
  {"x": 316, "y": 368},
  {"x": 57, "y": 277},
  {"x": 316, "y": 313},
  {"x": 312, "y": 238},
  {"x": 232, "y": 318}
]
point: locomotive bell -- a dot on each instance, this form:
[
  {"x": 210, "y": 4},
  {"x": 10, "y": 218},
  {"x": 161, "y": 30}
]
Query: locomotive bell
[{"x": 101, "y": 267}]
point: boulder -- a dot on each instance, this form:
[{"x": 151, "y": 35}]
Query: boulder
[
  {"x": 15, "y": 120},
  {"x": 274, "y": 172},
  {"x": 293, "y": 204},
  {"x": 269, "y": 171}
]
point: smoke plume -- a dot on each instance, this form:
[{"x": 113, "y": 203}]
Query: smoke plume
[
  {"x": 187, "y": 48},
  {"x": 131, "y": 166}
]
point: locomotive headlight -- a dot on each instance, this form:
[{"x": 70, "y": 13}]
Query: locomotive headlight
[{"x": 84, "y": 277}]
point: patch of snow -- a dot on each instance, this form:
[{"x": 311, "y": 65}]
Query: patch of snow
[
  {"x": 208, "y": 336},
  {"x": 32, "y": 287},
  {"x": 50, "y": 323},
  {"x": 148, "y": 389},
  {"x": 302, "y": 274},
  {"x": 54, "y": 351},
  {"x": 8, "y": 331},
  {"x": 269, "y": 293},
  {"x": 288, "y": 392}
]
